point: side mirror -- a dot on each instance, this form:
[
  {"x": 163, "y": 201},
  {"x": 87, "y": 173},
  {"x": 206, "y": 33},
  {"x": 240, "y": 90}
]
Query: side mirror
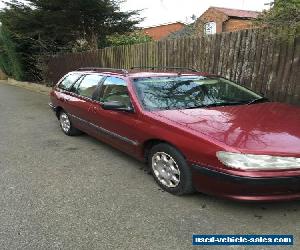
[{"x": 117, "y": 106}]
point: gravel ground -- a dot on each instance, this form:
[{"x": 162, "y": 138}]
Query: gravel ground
[{"x": 60, "y": 192}]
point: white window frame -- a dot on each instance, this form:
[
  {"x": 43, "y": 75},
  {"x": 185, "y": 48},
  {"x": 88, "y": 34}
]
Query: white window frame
[{"x": 210, "y": 28}]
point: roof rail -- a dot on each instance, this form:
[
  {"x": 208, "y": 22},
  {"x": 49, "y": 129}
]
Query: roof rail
[
  {"x": 123, "y": 71},
  {"x": 162, "y": 67}
]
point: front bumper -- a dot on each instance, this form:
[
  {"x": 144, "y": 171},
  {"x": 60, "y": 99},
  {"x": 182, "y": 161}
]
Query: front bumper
[
  {"x": 245, "y": 188},
  {"x": 52, "y": 106}
]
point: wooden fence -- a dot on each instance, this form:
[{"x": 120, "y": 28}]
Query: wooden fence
[{"x": 253, "y": 58}]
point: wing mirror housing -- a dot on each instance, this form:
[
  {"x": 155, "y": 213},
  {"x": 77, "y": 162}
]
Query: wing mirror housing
[{"x": 117, "y": 106}]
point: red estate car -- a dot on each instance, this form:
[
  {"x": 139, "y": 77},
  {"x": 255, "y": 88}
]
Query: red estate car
[{"x": 195, "y": 131}]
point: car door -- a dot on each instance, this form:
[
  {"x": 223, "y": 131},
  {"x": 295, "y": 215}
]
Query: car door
[
  {"x": 115, "y": 127},
  {"x": 80, "y": 99}
]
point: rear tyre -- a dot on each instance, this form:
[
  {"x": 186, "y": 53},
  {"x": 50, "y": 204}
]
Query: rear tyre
[
  {"x": 170, "y": 169},
  {"x": 66, "y": 124}
]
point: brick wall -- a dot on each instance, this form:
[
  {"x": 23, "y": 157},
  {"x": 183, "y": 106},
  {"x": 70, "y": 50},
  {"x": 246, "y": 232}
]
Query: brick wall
[
  {"x": 237, "y": 24},
  {"x": 210, "y": 15},
  {"x": 162, "y": 31},
  {"x": 223, "y": 22}
]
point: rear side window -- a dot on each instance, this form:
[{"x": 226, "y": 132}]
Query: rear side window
[
  {"x": 88, "y": 85},
  {"x": 68, "y": 81}
]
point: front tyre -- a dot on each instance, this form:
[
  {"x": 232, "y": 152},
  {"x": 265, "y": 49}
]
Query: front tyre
[
  {"x": 66, "y": 125},
  {"x": 170, "y": 169}
]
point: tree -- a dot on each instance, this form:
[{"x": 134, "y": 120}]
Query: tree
[
  {"x": 10, "y": 61},
  {"x": 187, "y": 31},
  {"x": 284, "y": 15},
  {"x": 43, "y": 27},
  {"x": 63, "y": 22},
  {"x": 130, "y": 38}
]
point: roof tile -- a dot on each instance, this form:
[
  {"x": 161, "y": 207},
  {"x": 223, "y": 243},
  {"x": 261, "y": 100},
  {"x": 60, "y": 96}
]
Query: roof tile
[{"x": 238, "y": 13}]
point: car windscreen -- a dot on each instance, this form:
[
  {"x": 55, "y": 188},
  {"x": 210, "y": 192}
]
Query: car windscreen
[{"x": 184, "y": 92}]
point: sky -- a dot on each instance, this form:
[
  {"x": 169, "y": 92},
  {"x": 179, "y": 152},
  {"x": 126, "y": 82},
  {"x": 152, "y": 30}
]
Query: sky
[
  {"x": 165, "y": 11},
  {"x": 158, "y": 12}
]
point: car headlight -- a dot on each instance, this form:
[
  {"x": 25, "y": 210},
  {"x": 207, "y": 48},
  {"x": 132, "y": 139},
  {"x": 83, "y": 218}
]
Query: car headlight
[{"x": 257, "y": 162}]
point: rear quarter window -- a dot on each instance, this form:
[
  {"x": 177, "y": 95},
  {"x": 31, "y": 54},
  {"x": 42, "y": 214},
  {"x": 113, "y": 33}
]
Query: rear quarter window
[{"x": 68, "y": 81}]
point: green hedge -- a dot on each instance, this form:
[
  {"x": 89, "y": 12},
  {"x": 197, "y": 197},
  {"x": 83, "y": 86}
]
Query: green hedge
[{"x": 10, "y": 59}]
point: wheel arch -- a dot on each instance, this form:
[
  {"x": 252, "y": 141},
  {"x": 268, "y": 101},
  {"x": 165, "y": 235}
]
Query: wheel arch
[
  {"x": 57, "y": 111},
  {"x": 148, "y": 144}
]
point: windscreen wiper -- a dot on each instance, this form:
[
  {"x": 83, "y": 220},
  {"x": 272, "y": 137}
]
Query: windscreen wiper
[
  {"x": 257, "y": 100},
  {"x": 197, "y": 107},
  {"x": 215, "y": 105}
]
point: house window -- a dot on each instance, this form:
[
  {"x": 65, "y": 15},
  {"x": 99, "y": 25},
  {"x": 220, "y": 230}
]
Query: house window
[{"x": 210, "y": 28}]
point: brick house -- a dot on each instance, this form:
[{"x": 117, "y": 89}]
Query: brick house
[
  {"x": 217, "y": 20},
  {"x": 159, "y": 32}
]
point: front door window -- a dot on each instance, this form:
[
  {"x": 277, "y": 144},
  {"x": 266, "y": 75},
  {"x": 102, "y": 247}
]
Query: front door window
[{"x": 115, "y": 89}]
